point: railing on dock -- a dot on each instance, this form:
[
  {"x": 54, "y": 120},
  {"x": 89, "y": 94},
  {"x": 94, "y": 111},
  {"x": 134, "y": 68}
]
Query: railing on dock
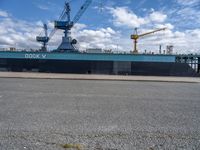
[{"x": 192, "y": 60}]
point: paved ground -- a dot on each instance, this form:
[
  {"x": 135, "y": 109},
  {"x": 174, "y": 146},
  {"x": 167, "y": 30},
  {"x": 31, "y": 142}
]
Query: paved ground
[{"x": 46, "y": 114}]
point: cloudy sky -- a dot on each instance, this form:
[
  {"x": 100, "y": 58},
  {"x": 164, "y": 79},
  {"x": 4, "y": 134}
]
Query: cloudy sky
[{"x": 106, "y": 24}]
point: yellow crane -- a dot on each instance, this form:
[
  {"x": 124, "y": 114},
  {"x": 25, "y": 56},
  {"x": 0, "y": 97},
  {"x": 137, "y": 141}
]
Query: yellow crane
[{"x": 136, "y": 36}]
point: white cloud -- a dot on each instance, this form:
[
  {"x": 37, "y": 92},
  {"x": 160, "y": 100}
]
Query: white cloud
[
  {"x": 190, "y": 14},
  {"x": 183, "y": 41},
  {"x": 157, "y": 16},
  {"x": 185, "y": 13},
  {"x": 169, "y": 26},
  {"x": 18, "y": 33},
  {"x": 104, "y": 38},
  {"x": 122, "y": 16},
  {"x": 125, "y": 17},
  {"x": 43, "y": 7},
  {"x": 3, "y": 13},
  {"x": 22, "y": 34},
  {"x": 188, "y": 2},
  {"x": 47, "y": 5}
]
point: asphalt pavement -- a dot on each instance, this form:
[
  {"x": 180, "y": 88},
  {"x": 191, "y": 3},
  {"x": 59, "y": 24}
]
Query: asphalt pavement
[{"x": 48, "y": 114}]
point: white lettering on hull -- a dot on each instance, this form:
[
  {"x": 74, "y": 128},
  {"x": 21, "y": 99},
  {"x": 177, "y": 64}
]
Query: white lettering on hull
[
  {"x": 35, "y": 56},
  {"x": 44, "y": 55}
]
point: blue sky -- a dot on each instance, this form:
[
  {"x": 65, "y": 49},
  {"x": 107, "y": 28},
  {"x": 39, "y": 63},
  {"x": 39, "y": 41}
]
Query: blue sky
[{"x": 106, "y": 23}]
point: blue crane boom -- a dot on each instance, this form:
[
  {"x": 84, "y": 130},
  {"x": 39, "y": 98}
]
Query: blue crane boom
[{"x": 81, "y": 11}]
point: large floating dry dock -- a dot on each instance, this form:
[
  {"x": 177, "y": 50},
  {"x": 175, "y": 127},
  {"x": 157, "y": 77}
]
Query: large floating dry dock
[{"x": 102, "y": 63}]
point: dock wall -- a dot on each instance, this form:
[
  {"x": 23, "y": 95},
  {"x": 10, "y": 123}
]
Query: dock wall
[{"x": 99, "y": 67}]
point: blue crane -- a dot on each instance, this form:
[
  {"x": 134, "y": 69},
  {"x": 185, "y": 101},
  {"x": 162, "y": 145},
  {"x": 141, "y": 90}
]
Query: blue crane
[
  {"x": 68, "y": 43},
  {"x": 43, "y": 39}
]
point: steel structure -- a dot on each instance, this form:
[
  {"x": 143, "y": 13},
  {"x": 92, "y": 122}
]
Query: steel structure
[
  {"x": 43, "y": 39},
  {"x": 102, "y": 63},
  {"x": 192, "y": 60},
  {"x": 136, "y": 36},
  {"x": 65, "y": 23}
]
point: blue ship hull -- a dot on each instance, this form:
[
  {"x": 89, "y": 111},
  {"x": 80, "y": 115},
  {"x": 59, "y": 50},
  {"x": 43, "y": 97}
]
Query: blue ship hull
[{"x": 85, "y": 63}]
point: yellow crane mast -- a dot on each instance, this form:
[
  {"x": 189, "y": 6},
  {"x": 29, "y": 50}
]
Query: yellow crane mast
[{"x": 136, "y": 36}]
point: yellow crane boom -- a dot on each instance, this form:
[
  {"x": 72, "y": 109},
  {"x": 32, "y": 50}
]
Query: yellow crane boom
[{"x": 136, "y": 36}]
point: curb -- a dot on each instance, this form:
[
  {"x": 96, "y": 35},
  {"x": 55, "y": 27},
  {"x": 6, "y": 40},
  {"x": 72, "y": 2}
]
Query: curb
[{"x": 24, "y": 75}]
